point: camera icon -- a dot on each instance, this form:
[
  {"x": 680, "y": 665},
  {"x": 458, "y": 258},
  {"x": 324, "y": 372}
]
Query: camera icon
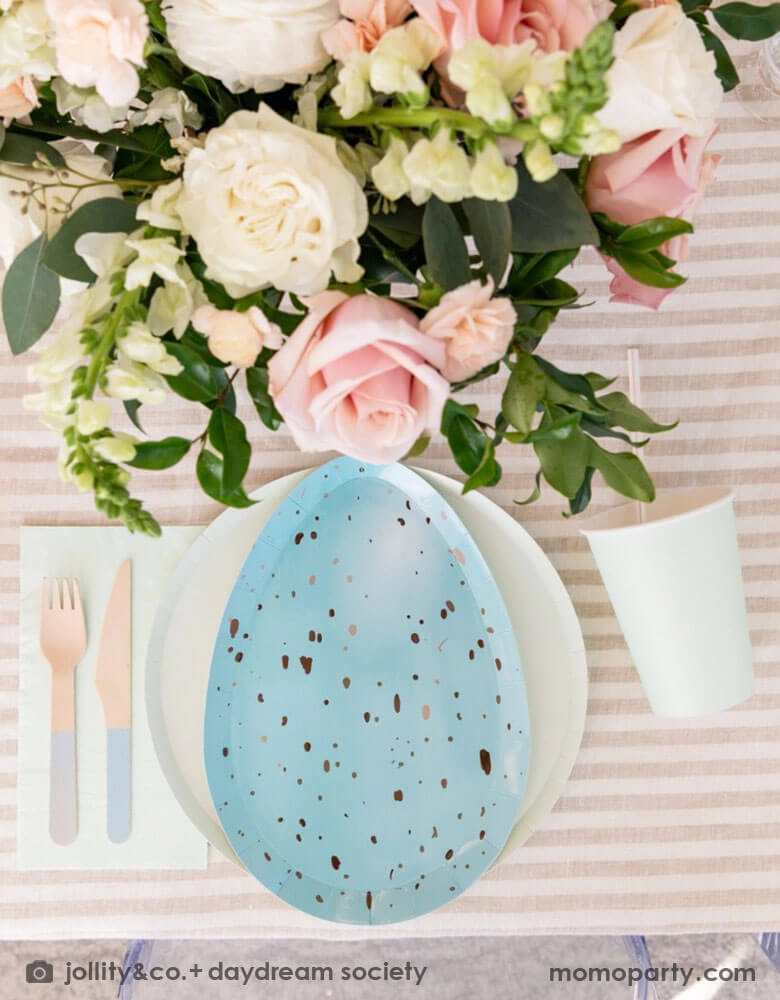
[{"x": 40, "y": 972}]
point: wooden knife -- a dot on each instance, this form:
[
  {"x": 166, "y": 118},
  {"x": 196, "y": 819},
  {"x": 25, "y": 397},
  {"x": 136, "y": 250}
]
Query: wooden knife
[{"x": 114, "y": 686}]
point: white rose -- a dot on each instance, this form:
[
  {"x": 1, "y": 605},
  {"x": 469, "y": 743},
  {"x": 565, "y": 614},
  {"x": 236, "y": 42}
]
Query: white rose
[
  {"x": 272, "y": 204},
  {"x": 251, "y": 44},
  {"x": 662, "y": 76},
  {"x": 25, "y": 47}
]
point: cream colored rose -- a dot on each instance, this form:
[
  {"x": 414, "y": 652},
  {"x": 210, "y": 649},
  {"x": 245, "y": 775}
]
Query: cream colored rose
[
  {"x": 251, "y": 44},
  {"x": 99, "y": 43},
  {"x": 272, "y": 204},
  {"x": 476, "y": 328},
  {"x": 662, "y": 76},
  {"x": 237, "y": 337}
]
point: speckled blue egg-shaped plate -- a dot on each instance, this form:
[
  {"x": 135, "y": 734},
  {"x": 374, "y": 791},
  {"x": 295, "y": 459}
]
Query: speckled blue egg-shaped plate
[{"x": 366, "y": 735}]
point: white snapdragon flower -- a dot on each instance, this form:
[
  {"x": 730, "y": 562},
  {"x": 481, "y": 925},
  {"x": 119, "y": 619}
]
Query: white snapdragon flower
[
  {"x": 115, "y": 448},
  {"x": 52, "y": 403},
  {"x": 138, "y": 343},
  {"x": 86, "y": 107},
  {"x": 492, "y": 76},
  {"x": 539, "y": 161},
  {"x": 173, "y": 108},
  {"x": 401, "y": 55},
  {"x": 492, "y": 179},
  {"x": 159, "y": 256},
  {"x": 128, "y": 380},
  {"x": 352, "y": 93},
  {"x": 389, "y": 176},
  {"x": 438, "y": 166},
  {"x": 160, "y": 210},
  {"x": 92, "y": 416},
  {"x": 173, "y": 304}
]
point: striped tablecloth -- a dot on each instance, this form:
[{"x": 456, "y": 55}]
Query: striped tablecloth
[{"x": 664, "y": 826}]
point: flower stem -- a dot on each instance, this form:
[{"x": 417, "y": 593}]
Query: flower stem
[
  {"x": 407, "y": 118},
  {"x": 107, "y": 341}
]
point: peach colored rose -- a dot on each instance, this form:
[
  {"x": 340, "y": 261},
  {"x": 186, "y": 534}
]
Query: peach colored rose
[
  {"x": 18, "y": 98},
  {"x": 475, "y": 327},
  {"x": 357, "y": 376},
  {"x": 661, "y": 173},
  {"x": 553, "y": 24},
  {"x": 362, "y": 24},
  {"x": 237, "y": 337},
  {"x": 98, "y": 44}
]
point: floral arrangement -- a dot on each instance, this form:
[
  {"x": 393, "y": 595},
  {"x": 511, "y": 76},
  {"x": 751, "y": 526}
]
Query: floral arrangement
[{"x": 351, "y": 211}]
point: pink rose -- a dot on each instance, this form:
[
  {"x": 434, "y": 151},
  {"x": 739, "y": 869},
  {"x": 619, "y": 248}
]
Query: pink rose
[
  {"x": 97, "y": 41},
  {"x": 362, "y": 24},
  {"x": 358, "y": 377},
  {"x": 661, "y": 173},
  {"x": 475, "y": 328},
  {"x": 237, "y": 337},
  {"x": 554, "y": 24},
  {"x": 18, "y": 98}
]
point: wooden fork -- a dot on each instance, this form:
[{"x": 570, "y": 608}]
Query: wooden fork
[{"x": 63, "y": 638}]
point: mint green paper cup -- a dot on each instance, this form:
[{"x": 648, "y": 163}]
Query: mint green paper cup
[{"x": 675, "y": 582}]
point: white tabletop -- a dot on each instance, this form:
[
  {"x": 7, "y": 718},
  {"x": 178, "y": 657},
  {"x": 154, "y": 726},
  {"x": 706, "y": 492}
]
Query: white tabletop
[{"x": 664, "y": 826}]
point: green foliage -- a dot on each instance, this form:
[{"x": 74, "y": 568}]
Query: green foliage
[
  {"x": 31, "y": 297},
  {"x": 445, "y": 246},
  {"x": 160, "y": 454},
  {"x": 104, "y": 215},
  {"x": 748, "y": 21},
  {"x": 635, "y": 248},
  {"x": 490, "y": 223},
  {"x": 549, "y": 216}
]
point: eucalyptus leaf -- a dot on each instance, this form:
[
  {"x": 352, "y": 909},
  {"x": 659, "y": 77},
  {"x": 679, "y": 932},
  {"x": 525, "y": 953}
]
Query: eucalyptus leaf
[
  {"x": 104, "y": 215},
  {"x": 26, "y": 149},
  {"x": 491, "y": 227},
  {"x": 31, "y": 297},
  {"x": 549, "y": 216},
  {"x": 445, "y": 246},
  {"x": 160, "y": 454}
]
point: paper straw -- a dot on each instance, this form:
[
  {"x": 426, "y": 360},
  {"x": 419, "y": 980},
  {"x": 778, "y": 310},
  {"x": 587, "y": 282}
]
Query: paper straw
[{"x": 635, "y": 395}]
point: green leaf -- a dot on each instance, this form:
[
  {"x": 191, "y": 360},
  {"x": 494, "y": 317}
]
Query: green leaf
[
  {"x": 209, "y": 469},
  {"x": 534, "y": 495},
  {"x": 25, "y": 149},
  {"x": 419, "y": 446},
  {"x": 445, "y": 246},
  {"x": 160, "y": 454},
  {"x": 491, "y": 227},
  {"x": 564, "y": 462},
  {"x": 574, "y": 384},
  {"x": 31, "y": 297},
  {"x": 132, "y": 406},
  {"x": 724, "y": 67},
  {"x": 257, "y": 385},
  {"x": 104, "y": 215},
  {"x": 524, "y": 389},
  {"x": 558, "y": 430},
  {"x": 199, "y": 382},
  {"x": 487, "y": 473},
  {"x": 598, "y": 382},
  {"x": 645, "y": 268},
  {"x": 653, "y": 232},
  {"x": 549, "y": 216},
  {"x": 623, "y": 471},
  {"x": 228, "y": 435},
  {"x": 581, "y": 499},
  {"x": 748, "y": 22},
  {"x": 467, "y": 441},
  {"x": 628, "y": 415}
]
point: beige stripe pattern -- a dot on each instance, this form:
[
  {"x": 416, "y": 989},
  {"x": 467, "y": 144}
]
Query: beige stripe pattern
[{"x": 664, "y": 826}]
